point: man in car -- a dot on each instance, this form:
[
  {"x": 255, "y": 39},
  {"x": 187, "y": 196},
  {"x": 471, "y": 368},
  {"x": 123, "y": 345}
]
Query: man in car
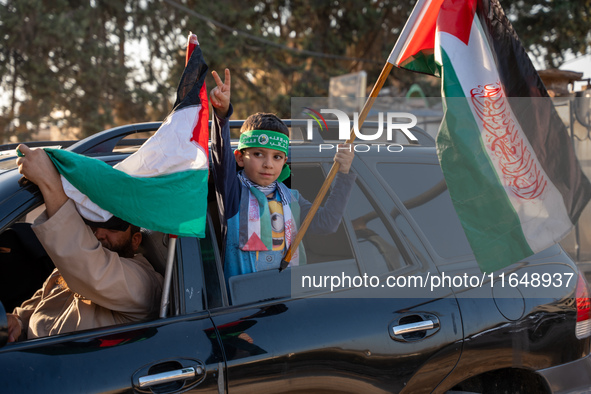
[{"x": 99, "y": 279}]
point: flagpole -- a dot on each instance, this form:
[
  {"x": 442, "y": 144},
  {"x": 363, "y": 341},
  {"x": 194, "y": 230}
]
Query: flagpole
[
  {"x": 417, "y": 13},
  {"x": 335, "y": 167},
  {"x": 167, "y": 276},
  {"x": 192, "y": 42}
]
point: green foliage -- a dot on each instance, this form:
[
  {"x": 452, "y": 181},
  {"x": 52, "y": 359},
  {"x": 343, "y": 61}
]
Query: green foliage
[
  {"x": 551, "y": 29},
  {"x": 67, "y": 65},
  {"x": 101, "y": 63}
]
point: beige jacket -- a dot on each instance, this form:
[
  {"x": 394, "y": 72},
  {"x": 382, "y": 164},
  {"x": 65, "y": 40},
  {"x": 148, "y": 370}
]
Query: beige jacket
[{"x": 91, "y": 285}]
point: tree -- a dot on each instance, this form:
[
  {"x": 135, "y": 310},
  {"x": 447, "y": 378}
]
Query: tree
[
  {"x": 64, "y": 63},
  {"x": 92, "y": 65},
  {"x": 551, "y": 29},
  {"x": 305, "y": 43}
]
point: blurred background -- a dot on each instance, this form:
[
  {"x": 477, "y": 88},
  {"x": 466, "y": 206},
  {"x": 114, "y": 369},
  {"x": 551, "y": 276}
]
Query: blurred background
[{"x": 72, "y": 68}]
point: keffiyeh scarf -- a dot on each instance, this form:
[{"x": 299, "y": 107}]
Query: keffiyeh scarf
[{"x": 255, "y": 233}]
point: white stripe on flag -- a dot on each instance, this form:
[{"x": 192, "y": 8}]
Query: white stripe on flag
[
  {"x": 169, "y": 150},
  {"x": 544, "y": 220},
  {"x": 86, "y": 208}
]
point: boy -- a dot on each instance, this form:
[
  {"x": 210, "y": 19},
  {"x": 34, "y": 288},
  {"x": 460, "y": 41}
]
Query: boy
[{"x": 259, "y": 214}]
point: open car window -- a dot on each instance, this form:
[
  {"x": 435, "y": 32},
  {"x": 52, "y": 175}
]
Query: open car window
[
  {"x": 365, "y": 242},
  {"x": 26, "y": 265}
]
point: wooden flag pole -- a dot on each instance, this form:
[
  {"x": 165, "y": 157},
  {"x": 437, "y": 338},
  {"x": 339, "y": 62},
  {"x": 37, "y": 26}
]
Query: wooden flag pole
[{"x": 334, "y": 169}]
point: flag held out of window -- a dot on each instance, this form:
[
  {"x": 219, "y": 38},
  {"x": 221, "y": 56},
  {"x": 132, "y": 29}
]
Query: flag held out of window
[
  {"x": 505, "y": 153},
  {"x": 163, "y": 185}
]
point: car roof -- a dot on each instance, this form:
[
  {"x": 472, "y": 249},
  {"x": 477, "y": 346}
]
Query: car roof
[{"x": 114, "y": 144}]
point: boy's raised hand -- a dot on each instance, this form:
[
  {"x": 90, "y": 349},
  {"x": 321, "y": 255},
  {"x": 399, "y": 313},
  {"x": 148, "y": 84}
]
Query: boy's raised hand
[
  {"x": 220, "y": 95},
  {"x": 344, "y": 157}
]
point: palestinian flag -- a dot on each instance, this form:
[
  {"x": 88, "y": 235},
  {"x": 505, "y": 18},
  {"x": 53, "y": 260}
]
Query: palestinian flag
[
  {"x": 162, "y": 186},
  {"x": 506, "y": 155}
]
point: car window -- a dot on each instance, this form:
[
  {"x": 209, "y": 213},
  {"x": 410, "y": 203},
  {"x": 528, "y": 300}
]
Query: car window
[
  {"x": 423, "y": 192},
  {"x": 365, "y": 242},
  {"x": 26, "y": 265},
  {"x": 211, "y": 268},
  {"x": 377, "y": 250},
  {"x": 324, "y": 253},
  {"x": 308, "y": 179}
]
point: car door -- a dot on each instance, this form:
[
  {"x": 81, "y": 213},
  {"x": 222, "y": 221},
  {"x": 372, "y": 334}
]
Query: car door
[
  {"x": 167, "y": 355},
  {"x": 369, "y": 337}
]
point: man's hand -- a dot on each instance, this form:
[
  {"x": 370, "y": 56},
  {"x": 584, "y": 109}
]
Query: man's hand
[
  {"x": 344, "y": 157},
  {"x": 38, "y": 168},
  {"x": 220, "y": 95},
  {"x": 15, "y": 327}
]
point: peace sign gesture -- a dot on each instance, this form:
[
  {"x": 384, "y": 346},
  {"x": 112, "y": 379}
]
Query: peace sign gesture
[{"x": 220, "y": 95}]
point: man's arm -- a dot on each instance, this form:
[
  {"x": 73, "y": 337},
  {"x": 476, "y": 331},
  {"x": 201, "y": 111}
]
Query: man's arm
[
  {"x": 37, "y": 167},
  {"x": 120, "y": 284},
  {"x": 89, "y": 269}
]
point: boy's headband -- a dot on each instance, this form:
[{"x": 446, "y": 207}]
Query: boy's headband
[
  {"x": 264, "y": 139},
  {"x": 270, "y": 140}
]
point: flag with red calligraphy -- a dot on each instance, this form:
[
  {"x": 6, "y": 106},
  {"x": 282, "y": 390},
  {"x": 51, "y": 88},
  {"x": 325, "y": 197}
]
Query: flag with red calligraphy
[{"x": 507, "y": 159}]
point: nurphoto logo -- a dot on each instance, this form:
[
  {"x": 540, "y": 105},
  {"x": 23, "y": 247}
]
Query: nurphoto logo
[{"x": 393, "y": 122}]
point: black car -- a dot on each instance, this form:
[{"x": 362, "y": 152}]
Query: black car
[{"x": 411, "y": 311}]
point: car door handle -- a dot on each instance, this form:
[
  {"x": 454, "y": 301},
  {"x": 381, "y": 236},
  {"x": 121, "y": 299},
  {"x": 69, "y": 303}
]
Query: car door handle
[
  {"x": 413, "y": 327},
  {"x": 170, "y": 376}
]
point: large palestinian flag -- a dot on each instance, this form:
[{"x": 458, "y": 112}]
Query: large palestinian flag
[
  {"x": 506, "y": 155},
  {"x": 162, "y": 186}
]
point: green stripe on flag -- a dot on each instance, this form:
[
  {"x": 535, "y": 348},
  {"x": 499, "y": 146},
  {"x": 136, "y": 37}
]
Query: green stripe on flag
[
  {"x": 422, "y": 62},
  {"x": 489, "y": 220},
  {"x": 173, "y": 204}
]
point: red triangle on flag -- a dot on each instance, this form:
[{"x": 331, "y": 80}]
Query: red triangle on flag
[
  {"x": 254, "y": 243},
  {"x": 455, "y": 18}
]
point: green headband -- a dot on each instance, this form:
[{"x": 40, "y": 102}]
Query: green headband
[
  {"x": 264, "y": 139},
  {"x": 267, "y": 139}
]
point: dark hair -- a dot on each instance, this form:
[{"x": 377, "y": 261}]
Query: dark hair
[
  {"x": 114, "y": 223},
  {"x": 134, "y": 229},
  {"x": 264, "y": 121}
]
